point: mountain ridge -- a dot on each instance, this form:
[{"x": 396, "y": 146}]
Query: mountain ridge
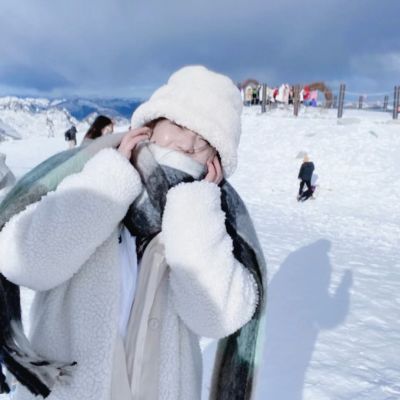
[{"x": 22, "y": 117}]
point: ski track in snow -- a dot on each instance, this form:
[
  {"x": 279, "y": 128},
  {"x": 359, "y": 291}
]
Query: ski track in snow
[{"x": 332, "y": 325}]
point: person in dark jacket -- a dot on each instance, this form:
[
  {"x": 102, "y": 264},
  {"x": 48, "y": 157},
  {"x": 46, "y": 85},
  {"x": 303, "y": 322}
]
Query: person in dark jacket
[
  {"x": 70, "y": 136},
  {"x": 305, "y": 174}
]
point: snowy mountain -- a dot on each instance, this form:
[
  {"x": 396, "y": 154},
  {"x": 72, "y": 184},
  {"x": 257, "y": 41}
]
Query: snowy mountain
[
  {"x": 113, "y": 108},
  {"x": 7, "y": 132},
  {"x": 26, "y": 117}
]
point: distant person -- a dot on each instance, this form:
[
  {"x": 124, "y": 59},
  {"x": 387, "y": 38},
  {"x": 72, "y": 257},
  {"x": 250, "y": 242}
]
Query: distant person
[
  {"x": 301, "y": 95},
  {"x": 101, "y": 126},
  {"x": 306, "y": 95},
  {"x": 7, "y": 178},
  {"x": 291, "y": 95},
  {"x": 275, "y": 94},
  {"x": 248, "y": 96},
  {"x": 305, "y": 175},
  {"x": 254, "y": 99},
  {"x": 70, "y": 136},
  {"x": 50, "y": 126}
]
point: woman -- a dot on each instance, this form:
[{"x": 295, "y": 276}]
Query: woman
[
  {"x": 131, "y": 257},
  {"x": 102, "y": 125}
]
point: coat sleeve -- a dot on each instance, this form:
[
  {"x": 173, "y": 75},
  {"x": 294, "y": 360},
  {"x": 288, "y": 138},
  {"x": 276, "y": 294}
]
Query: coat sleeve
[
  {"x": 45, "y": 244},
  {"x": 212, "y": 292}
]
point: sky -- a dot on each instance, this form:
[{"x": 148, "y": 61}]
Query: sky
[{"x": 128, "y": 48}]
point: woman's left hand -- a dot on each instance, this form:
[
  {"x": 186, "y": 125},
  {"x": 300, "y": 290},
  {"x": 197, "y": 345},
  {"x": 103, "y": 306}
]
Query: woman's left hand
[
  {"x": 214, "y": 174},
  {"x": 131, "y": 139}
]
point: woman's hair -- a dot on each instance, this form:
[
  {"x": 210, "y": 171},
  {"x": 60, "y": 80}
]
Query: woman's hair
[
  {"x": 96, "y": 128},
  {"x": 152, "y": 124}
]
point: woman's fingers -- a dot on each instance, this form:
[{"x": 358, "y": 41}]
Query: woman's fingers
[
  {"x": 218, "y": 169},
  {"x": 128, "y": 145},
  {"x": 135, "y": 132},
  {"x": 138, "y": 131},
  {"x": 212, "y": 173},
  {"x": 131, "y": 139}
]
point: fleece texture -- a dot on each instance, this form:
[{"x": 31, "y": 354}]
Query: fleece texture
[
  {"x": 203, "y": 101},
  {"x": 66, "y": 247},
  {"x": 204, "y": 272}
]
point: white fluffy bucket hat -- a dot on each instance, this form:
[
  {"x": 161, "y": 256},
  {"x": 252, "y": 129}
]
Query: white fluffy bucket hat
[{"x": 203, "y": 101}]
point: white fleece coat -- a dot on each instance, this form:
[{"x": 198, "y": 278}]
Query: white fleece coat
[{"x": 66, "y": 248}]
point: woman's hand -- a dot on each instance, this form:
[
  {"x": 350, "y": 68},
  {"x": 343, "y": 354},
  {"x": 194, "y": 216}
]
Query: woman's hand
[
  {"x": 214, "y": 174},
  {"x": 131, "y": 139}
]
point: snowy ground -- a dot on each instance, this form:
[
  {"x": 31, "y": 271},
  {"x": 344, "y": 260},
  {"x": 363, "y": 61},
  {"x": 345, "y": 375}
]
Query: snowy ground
[{"x": 333, "y": 326}]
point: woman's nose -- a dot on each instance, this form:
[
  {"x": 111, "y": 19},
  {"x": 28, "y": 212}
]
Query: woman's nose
[{"x": 187, "y": 142}]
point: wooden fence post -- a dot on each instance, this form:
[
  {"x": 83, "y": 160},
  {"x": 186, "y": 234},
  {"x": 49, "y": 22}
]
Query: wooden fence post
[
  {"x": 341, "y": 100},
  {"x": 385, "y": 103},
  {"x": 296, "y": 100},
  {"x": 264, "y": 98},
  {"x": 360, "y": 102},
  {"x": 396, "y": 101}
]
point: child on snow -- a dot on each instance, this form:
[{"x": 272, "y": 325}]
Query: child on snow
[{"x": 305, "y": 175}]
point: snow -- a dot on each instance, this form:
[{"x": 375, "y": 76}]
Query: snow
[
  {"x": 32, "y": 117},
  {"x": 332, "y": 326}
]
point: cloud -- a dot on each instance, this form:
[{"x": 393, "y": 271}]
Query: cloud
[
  {"x": 127, "y": 47},
  {"x": 45, "y": 80},
  {"x": 378, "y": 71},
  {"x": 377, "y": 64}
]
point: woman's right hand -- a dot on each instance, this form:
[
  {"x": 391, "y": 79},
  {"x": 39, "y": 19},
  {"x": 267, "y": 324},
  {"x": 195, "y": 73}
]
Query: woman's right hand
[
  {"x": 131, "y": 139},
  {"x": 215, "y": 173}
]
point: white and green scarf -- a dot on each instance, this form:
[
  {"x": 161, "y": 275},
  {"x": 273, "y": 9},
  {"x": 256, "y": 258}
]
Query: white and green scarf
[{"x": 237, "y": 355}]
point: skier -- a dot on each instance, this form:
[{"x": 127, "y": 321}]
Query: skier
[
  {"x": 305, "y": 174},
  {"x": 70, "y": 137},
  {"x": 139, "y": 251},
  {"x": 248, "y": 96},
  {"x": 7, "y": 178}
]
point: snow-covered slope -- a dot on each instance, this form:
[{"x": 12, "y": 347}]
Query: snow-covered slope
[
  {"x": 7, "y": 132},
  {"x": 332, "y": 327},
  {"x": 32, "y": 117}
]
